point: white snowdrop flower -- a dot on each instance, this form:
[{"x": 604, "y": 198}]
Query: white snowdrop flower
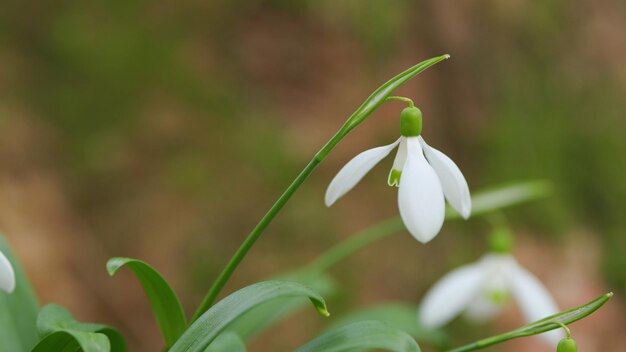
[
  {"x": 7, "y": 275},
  {"x": 481, "y": 289},
  {"x": 423, "y": 175}
]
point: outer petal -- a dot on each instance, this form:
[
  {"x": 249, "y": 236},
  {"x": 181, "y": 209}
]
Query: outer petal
[
  {"x": 355, "y": 170},
  {"x": 398, "y": 163},
  {"x": 420, "y": 197},
  {"x": 533, "y": 298},
  {"x": 7, "y": 275},
  {"x": 452, "y": 294},
  {"x": 454, "y": 184}
]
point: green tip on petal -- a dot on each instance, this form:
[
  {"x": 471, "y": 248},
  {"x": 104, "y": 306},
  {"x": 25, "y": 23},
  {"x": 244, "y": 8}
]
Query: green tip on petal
[
  {"x": 567, "y": 345},
  {"x": 394, "y": 178},
  {"x": 411, "y": 122}
]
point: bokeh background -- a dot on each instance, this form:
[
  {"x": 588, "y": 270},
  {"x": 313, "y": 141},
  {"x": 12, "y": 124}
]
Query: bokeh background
[{"x": 164, "y": 130}]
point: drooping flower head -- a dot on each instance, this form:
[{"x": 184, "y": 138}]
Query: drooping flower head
[
  {"x": 481, "y": 289},
  {"x": 7, "y": 275},
  {"x": 424, "y": 177}
]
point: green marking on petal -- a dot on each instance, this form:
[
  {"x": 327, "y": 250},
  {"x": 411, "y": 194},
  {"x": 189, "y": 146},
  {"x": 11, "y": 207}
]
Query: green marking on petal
[
  {"x": 498, "y": 296},
  {"x": 394, "y": 178}
]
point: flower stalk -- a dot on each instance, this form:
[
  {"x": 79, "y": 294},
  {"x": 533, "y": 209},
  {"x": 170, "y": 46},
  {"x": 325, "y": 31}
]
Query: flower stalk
[{"x": 377, "y": 98}]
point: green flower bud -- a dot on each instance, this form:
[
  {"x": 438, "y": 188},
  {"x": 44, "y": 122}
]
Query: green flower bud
[
  {"x": 411, "y": 122},
  {"x": 567, "y": 345},
  {"x": 501, "y": 240}
]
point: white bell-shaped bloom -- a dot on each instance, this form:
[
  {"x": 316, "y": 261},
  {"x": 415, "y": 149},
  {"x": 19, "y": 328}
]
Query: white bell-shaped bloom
[
  {"x": 423, "y": 175},
  {"x": 7, "y": 275},
  {"x": 480, "y": 290}
]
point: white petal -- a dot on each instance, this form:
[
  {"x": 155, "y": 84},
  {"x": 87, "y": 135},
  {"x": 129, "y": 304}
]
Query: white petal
[
  {"x": 533, "y": 298},
  {"x": 420, "y": 197},
  {"x": 452, "y": 181},
  {"x": 452, "y": 294},
  {"x": 398, "y": 162},
  {"x": 355, "y": 170},
  {"x": 482, "y": 308},
  {"x": 7, "y": 275}
]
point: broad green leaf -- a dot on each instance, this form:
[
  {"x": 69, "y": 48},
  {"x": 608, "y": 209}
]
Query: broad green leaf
[
  {"x": 270, "y": 313},
  {"x": 540, "y": 326},
  {"x": 73, "y": 341},
  {"x": 59, "y": 331},
  {"x": 401, "y": 316},
  {"x": 227, "y": 342},
  {"x": 165, "y": 304},
  {"x": 215, "y": 320},
  {"x": 18, "y": 310},
  {"x": 362, "y": 335}
]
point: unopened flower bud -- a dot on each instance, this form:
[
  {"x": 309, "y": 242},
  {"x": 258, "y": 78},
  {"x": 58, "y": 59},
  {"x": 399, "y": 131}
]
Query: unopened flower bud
[{"x": 567, "y": 345}]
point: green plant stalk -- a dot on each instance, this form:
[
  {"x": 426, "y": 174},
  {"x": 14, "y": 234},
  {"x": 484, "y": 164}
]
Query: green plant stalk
[
  {"x": 376, "y": 99},
  {"x": 552, "y": 322}
]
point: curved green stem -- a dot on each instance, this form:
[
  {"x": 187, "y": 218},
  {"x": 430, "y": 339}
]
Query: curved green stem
[
  {"x": 376, "y": 99},
  {"x": 567, "y": 332},
  {"x": 402, "y": 99}
]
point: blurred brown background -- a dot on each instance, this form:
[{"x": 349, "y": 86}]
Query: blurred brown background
[{"x": 163, "y": 131}]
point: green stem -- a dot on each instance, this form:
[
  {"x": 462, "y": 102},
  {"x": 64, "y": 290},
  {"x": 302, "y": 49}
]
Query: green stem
[
  {"x": 402, "y": 99},
  {"x": 567, "y": 331},
  {"x": 221, "y": 280},
  {"x": 493, "y": 340},
  {"x": 372, "y": 103}
]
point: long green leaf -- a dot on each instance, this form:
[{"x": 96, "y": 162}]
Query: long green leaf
[
  {"x": 401, "y": 316},
  {"x": 18, "y": 310},
  {"x": 265, "y": 315},
  {"x": 483, "y": 202},
  {"x": 376, "y": 99},
  {"x": 549, "y": 323},
  {"x": 59, "y": 331},
  {"x": 360, "y": 336},
  {"x": 504, "y": 196},
  {"x": 165, "y": 304},
  {"x": 227, "y": 342},
  {"x": 210, "y": 324}
]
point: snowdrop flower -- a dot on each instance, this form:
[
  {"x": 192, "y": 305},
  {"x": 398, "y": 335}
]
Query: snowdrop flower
[
  {"x": 7, "y": 275},
  {"x": 422, "y": 174},
  {"x": 481, "y": 289}
]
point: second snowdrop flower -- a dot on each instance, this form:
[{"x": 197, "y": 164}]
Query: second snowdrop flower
[
  {"x": 481, "y": 289},
  {"x": 423, "y": 175}
]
